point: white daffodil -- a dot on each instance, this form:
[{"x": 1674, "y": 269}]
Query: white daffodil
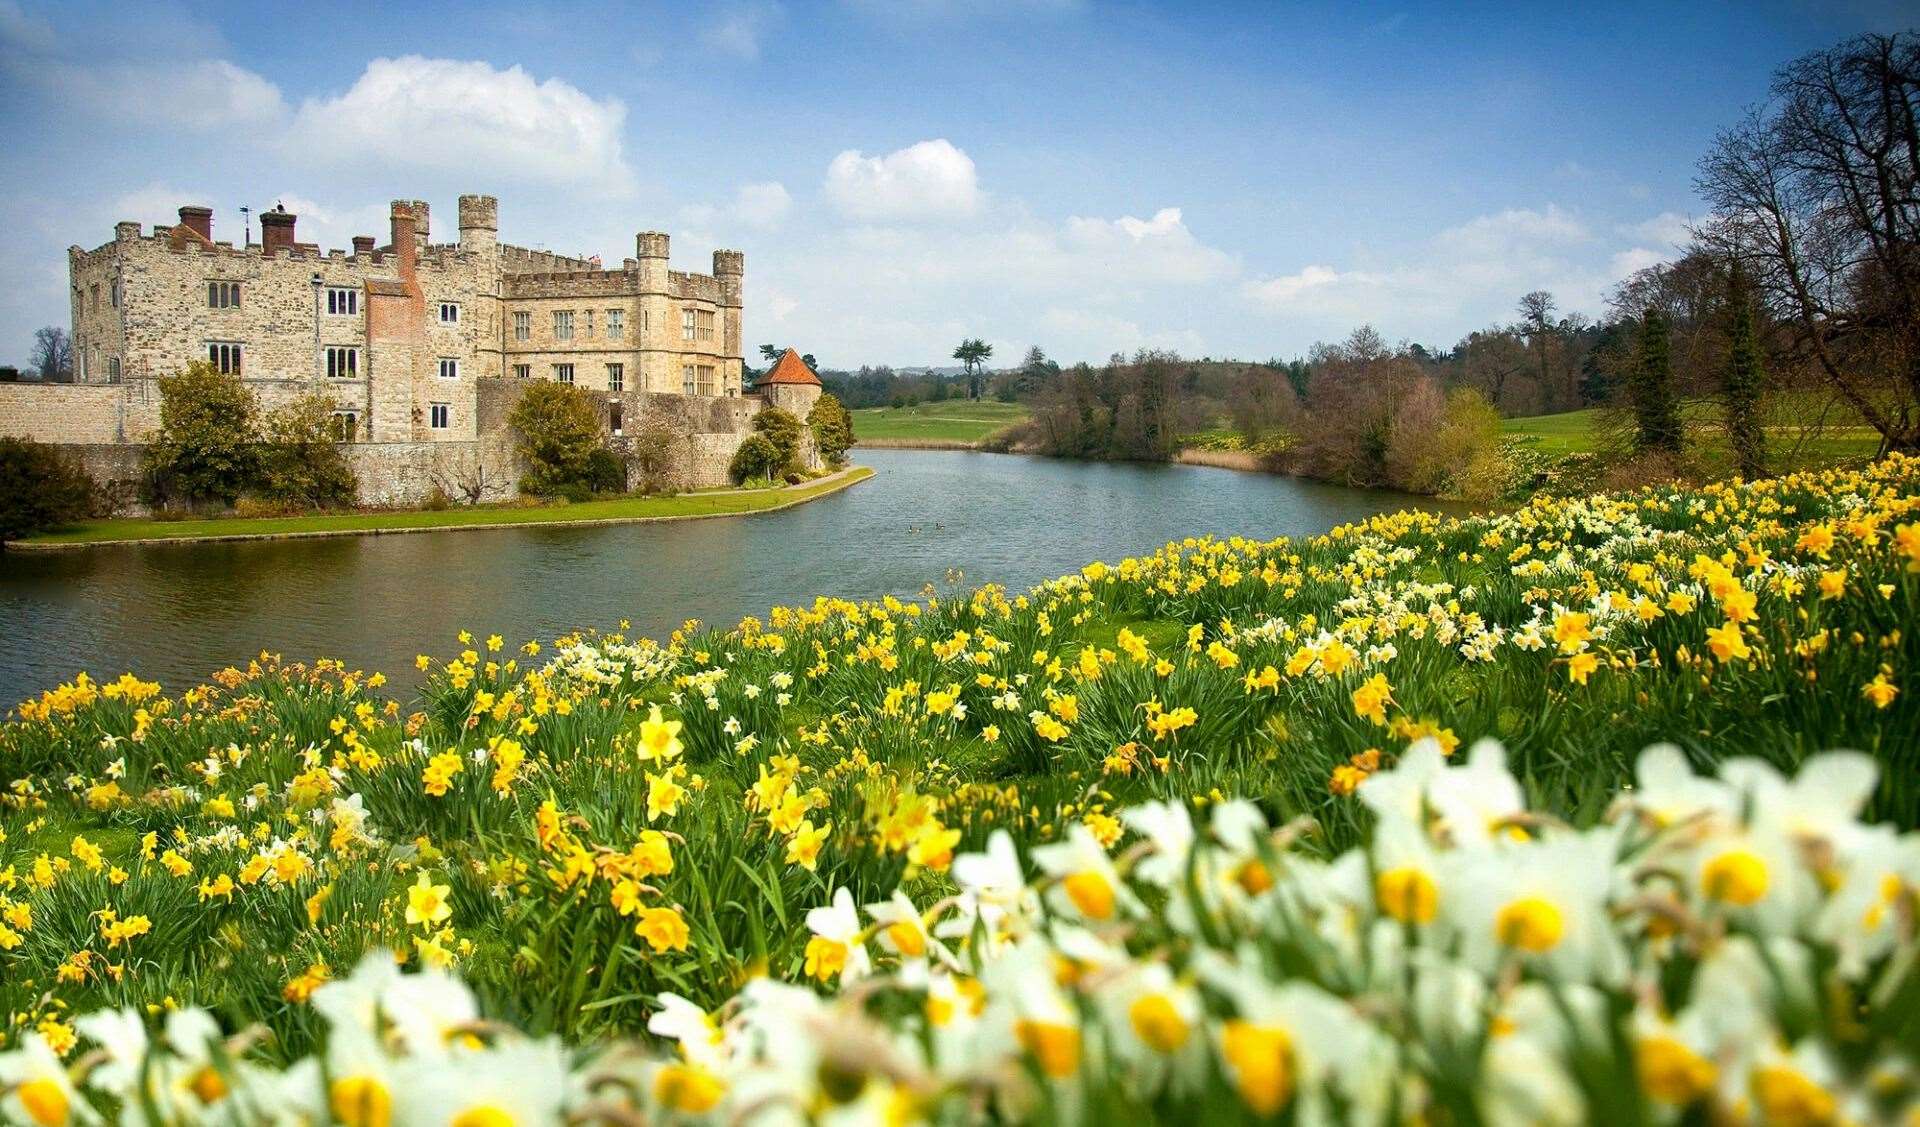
[
  {"x": 427, "y": 1010},
  {"x": 903, "y": 932},
  {"x": 1670, "y": 793},
  {"x": 122, "y": 1037},
  {"x": 837, "y": 946},
  {"x": 1169, "y": 828},
  {"x": 695, "y": 1030},
  {"x": 37, "y": 1088},
  {"x": 1155, "y": 1028},
  {"x": 1542, "y": 903},
  {"x": 516, "y": 1082},
  {"x": 1401, "y": 791},
  {"x": 1820, "y": 805},
  {"x": 1087, "y": 885},
  {"x": 1473, "y": 802},
  {"x": 1290, "y": 1044},
  {"x": 354, "y": 1001}
]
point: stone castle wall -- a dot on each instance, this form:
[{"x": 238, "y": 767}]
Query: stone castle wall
[{"x": 435, "y": 336}]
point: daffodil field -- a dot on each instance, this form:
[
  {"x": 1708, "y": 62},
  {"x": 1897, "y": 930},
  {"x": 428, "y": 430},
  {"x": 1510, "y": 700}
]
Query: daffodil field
[{"x": 1599, "y": 810}]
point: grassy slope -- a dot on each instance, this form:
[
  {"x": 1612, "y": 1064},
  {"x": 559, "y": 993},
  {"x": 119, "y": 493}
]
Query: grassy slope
[
  {"x": 1578, "y": 432},
  {"x": 955, "y": 420},
  {"x": 625, "y": 508}
]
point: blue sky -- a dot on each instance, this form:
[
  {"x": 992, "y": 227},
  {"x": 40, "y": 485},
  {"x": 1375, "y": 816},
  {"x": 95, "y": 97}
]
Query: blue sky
[{"x": 1219, "y": 179}]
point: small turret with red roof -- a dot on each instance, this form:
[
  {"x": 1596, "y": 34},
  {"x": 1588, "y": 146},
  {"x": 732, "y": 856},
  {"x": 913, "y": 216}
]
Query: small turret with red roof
[{"x": 790, "y": 385}]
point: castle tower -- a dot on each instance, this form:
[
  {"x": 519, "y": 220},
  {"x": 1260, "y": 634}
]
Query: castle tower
[
  {"x": 479, "y": 223},
  {"x": 650, "y": 247}
]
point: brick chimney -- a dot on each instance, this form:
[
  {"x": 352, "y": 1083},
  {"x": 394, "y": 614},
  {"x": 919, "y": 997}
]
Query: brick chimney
[
  {"x": 276, "y": 230},
  {"x": 199, "y": 220},
  {"x": 402, "y": 231},
  {"x": 362, "y": 244}
]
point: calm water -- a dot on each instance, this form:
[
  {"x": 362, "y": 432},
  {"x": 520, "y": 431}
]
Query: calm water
[{"x": 178, "y": 613}]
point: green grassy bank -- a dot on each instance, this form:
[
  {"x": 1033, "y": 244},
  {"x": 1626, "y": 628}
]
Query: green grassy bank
[
  {"x": 623, "y": 509},
  {"x": 953, "y": 420}
]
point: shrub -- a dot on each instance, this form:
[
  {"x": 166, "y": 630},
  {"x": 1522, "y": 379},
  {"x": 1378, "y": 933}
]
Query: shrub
[
  {"x": 783, "y": 431},
  {"x": 206, "y": 449},
  {"x": 559, "y": 428},
  {"x": 757, "y": 457},
  {"x": 832, "y": 430},
  {"x": 40, "y": 488},
  {"x": 300, "y": 464},
  {"x": 606, "y": 472}
]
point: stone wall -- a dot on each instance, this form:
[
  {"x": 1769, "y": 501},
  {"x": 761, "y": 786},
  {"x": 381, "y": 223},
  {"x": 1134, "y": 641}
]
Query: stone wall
[
  {"x": 63, "y": 412},
  {"x": 406, "y": 473}
]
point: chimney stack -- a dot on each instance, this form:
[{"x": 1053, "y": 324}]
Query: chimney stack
[
  {"x": 199, "y": 220},
  {"x": 362, "y": 245},
  {"x": 402, "y": 230},
  {"x": 276, "y": 230}
]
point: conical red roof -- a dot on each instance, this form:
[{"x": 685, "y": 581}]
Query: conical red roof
[{"x": 791, "y": 369}]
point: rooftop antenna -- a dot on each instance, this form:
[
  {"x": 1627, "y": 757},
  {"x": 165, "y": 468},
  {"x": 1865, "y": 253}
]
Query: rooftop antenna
[{"x": 246, "y": 224}]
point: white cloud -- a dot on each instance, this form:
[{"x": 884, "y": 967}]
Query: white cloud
[
  {"x": 441, "y": 114},
  {"x": 1667, "y": 229},
  {"x": 1462, "y": 278},
  {"x": 930, "y": 180},
  {"x": 738, "y": 32},
  {"x": 1082, "y": 287},
  {"x": 762, "y": 205}
]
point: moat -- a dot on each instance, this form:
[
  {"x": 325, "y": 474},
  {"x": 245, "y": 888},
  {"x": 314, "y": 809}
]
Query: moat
[{"x": 177, "y": 613}]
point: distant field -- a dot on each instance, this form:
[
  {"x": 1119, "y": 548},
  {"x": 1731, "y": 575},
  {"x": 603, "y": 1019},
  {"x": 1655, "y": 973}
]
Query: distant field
[
  {"x": 952, "y": 420},
  {"x": 1789, "y": 447}
]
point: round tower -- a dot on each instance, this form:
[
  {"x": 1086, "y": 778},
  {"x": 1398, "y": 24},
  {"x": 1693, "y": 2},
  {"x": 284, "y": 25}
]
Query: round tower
[
  {"x": 729, "y": 269},
  {"x": 650, "y": 247},
  {"x": 479, "y": 222}
]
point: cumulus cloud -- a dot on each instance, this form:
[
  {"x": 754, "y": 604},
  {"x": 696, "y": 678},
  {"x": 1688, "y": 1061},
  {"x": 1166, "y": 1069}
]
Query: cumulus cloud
[
  {"x": 1667, "y": 229},
  {"x": 1461, "y": 278},
  {"x": 930, "y": 180},
  {"x": 762, "y": 205},
  {"x": 1082, "y": 287},
  {"x": 414, "y": 112}
]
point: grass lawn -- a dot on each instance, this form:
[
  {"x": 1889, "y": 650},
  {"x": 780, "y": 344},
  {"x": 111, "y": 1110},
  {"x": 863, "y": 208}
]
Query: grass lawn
[
  {"x": 1789, "y": 446},
  {"x": 954, "y": 420},
  {"x": 623, "y": 508}
]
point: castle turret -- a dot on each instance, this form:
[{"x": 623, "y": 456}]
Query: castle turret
[
  {"x": 422, "y": 232},
  {"x": 650, "y": 247},
  {"x": 479, "y": 222},
  {"x": 729, "y": 269}
]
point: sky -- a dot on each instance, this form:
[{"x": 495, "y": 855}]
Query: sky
[{"x": 1223, "y": 180}]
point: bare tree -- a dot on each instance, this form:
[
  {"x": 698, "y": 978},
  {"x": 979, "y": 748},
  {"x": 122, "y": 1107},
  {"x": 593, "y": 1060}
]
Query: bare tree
[
  {"x": 467, "y": 482},
  {"x": 1816, "y": 193},
  {"x": 52, "y": 355}
]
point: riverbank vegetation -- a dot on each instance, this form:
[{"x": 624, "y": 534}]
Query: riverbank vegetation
[
  {"x": 525, "y": 511},
  {"x": 1205, "y": 834}
]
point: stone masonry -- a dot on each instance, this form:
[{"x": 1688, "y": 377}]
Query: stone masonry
[{"x": 416, "y": 342}]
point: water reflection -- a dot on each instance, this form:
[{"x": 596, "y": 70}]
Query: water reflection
[{"x": 177, "y": 613}]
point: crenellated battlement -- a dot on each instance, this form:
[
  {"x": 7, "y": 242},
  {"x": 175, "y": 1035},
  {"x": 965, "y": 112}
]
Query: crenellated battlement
[{"x": 398, "y": 329}]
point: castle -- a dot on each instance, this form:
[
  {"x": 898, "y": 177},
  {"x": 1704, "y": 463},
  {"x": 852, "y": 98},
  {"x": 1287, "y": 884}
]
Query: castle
[{"x": 422, "y": 346}]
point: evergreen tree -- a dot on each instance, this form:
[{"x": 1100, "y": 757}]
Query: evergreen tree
[
  {"x": 1656, "y": 413},
  {"x": 1740, "y": 388}
]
